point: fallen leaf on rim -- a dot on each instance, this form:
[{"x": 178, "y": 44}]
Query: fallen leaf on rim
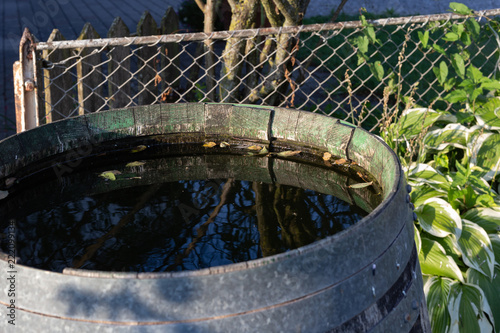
[
  {"x": 209, "y": 144},
  {"x": 288, "y": 153},
  {"x": 111, "y": 175},
  {"x": 360, "y": 185},
  {"x": 340, "y": 161},
  {"x": 138, "y": 149},
  {"x": 135, "y": 163}
]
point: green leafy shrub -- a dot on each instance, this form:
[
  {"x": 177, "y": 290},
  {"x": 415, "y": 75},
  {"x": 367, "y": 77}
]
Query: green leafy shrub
[{"x": 452, "y": 160}]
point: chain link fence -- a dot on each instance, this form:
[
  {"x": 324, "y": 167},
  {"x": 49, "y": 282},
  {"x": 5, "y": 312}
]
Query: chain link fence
[{"x": 311, "y": 67}]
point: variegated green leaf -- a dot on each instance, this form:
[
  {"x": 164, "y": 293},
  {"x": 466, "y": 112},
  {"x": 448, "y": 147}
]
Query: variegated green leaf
[
  {"x": 491, "y": 292},
  {"x": 488, "y": 114},
  {"x": 465, "y": 307},
  {"x": 418, "y": 241},
  {"x": 412, "y": 121},
  {"x": 495, "y": 245},
  {"x": 434, "y": 261},
  {"x": 436, "y": 291},
  {"x": 487, "y": 218},
  {"x": 424, "y": 192},
  {"x": 437, "y": 217},
  {"x": 455, "y": 135},
  {"x": 476, "y": 248},
  {"x": 485, "y": 153},
  {"x": 425, "y": 174}
]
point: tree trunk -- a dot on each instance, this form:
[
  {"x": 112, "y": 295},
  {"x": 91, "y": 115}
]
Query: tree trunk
[
  {"x": 284, "y": 13},
  {"x": 243, "y": 15}
]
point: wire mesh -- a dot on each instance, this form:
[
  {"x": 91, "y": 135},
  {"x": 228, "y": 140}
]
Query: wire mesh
[{"x": 313, "y": 68}]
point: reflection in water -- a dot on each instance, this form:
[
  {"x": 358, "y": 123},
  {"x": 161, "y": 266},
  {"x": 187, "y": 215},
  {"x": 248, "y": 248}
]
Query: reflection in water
[{"x": 168, "y": 225}]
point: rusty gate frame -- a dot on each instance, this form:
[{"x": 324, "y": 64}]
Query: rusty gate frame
[{"x": 25, "y": 89}]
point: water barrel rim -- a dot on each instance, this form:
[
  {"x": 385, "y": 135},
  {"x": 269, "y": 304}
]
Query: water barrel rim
[{"x": 389, "y": 197}]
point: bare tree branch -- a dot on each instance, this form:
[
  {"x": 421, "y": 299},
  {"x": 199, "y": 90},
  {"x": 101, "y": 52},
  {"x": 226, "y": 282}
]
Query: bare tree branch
[
  {"x": 200, "y": 233},
  {"x": 337, "y": 12},
  {"x": 201, "y": 5},
  {"x": 289, "y": 10},
  {"x": 271, "y": 14},
  {"x": 129, "y": 217}
]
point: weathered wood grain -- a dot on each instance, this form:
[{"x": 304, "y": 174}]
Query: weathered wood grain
[
  {"x": 119, "y": 67},
  {"x": 147, "y": 64},
  {"x": 90, "y": 78}
]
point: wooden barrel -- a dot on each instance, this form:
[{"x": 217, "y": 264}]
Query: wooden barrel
[{"x": 365, "y": 278}]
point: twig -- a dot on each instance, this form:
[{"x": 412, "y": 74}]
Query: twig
[
  {"x": 200, "y": 233},
  {"x": 92, "y": 249}
]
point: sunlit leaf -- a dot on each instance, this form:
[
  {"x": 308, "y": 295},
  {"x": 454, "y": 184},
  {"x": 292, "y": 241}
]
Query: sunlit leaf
[
  {"x": 424, "y": 38},
  {"x": 427, "y": 174},
  {"x": 491, "y": 292},
  {"x": 473, "y": 27},
  {"x": 288, "y": 153},
  {"x": 495, "y": 245},
  {"x": 459, "y": 8},
  {"x": 491, "y": 85},
  {"x": 441, "y": 72},
  {"x": 362, "y": 42},
  {"x": 485, "y": 153},
  {"x": 437, "y": 217},
  {"x": 456, "y": 96},
  {"x": 454, "y": 135},
  {"x": 458, "y": 64},
  {"x": 135, "y": 164},
  {"x": 451, "y": 37},
  {"x": 370, "y": 32},
  {"x": 412, "y": 121},
  {"x": 424, "y": 192},
  {"x": 476, "y": 248},
  {"x": 436, "y": 291},
  {"x": 441, "y": 50},
  {"x": 327, "y": 156},
  {"x": 488, "y": 114},
  {"x": 138, "y": 149},
  {"x": 377, "y": 70},
  {"x": 434, "y": 260},
  {"x": 465, "y": 38},
  {"x": 485, "y": 200},
  {"x": 486, "y": 218},
  {"x": 361, "y": 185},
  {"x": 418, "y": 240},
  {"x": 464, "y": 307},
  {"x": 111, "y": 174},
  {"x": 474, "y": 73},
  {"x": 209, "y": 144}
]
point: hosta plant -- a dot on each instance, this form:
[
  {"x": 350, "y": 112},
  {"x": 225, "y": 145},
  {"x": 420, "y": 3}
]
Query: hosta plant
[{"x": 452, "y": 161}]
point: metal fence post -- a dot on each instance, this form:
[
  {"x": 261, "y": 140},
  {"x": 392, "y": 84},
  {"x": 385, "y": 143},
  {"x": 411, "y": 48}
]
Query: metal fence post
[{"x": 25, "y": 87}]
